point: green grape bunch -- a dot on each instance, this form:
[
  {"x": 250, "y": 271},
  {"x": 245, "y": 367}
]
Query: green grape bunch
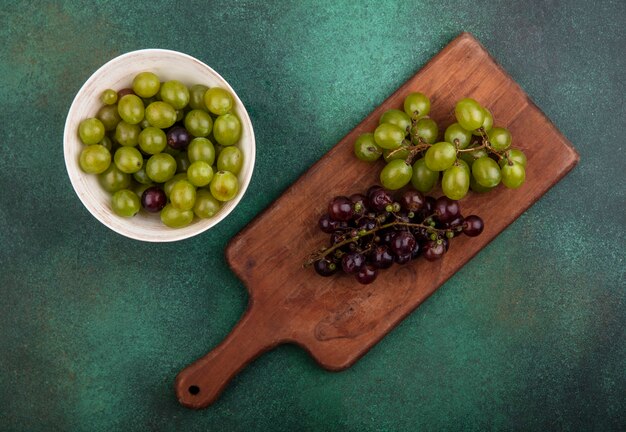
[{"x": 474, "y": 154}]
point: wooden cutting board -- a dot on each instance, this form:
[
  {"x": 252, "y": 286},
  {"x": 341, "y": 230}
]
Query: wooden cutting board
[{"x": 335, "y": 319}]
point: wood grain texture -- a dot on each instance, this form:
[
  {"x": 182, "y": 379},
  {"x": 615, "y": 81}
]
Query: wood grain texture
[{"x": 335, "y": 319}]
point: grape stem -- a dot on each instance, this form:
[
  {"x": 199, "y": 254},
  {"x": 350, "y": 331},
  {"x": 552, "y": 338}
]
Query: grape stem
[
  {"x": 327, "y": 251},
  {"x": 421, "y": 145},
  {"x": 487, "y": 144}
]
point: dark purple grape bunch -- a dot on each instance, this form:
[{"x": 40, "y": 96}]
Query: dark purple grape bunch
[{"x": 372, "y": 231}]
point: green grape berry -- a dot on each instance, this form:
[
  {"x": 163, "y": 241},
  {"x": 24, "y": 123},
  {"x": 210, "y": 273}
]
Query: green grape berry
[
  {"x": 396, "y": 117},
  {"x": 198, "y": 123},
  {"x": 112, "y": 179},
  {"x": 200, "y": 173},
  {"x": 141, "y": 177},
  {"x": 196, "y": 97},
  {"x": 160, "y": 114},
  {"x": 514, "y": 155},
  {"x": 218, "y": 101},
  {"x": 127, "y": 134},
  {"x": 131, "y": 109},
  {"x": 183, "y": 195},
  {"x": 106, "y": 143},
  {"x": 201, "y": 149},
  {"x": 91, "y": 131},
  {"x": 109, "y": 116},
  {"x": 366, "y": 149},
  {"x": 388, "y": 136},
  {"x": 175, "y": 218},
  {"x": 423, "y": 179},
  {"x": 227, "y": 129},
  {"x": 175, "y": 93},
  {"x": 416, "y": 104},
  {"x": 152, "y": 140},
  {"x": 161, "y": 167},
  {"x": 125, "y": 203},
  {"x": 464, "y": 165},
  {"x": 440, "y": 156},
  {"x": 469, "y": 114},
  {"x": 224, "y": 186},
  {"x": 486, "y": 172},
  {"x": 456, "y": 135},
  {"x": 487, "y": 122},
  {"x": 455, "y": 182},
  {"x": 167, "y": 187},
  {"x": 499, "y": 138},
  {"x": 146, "y": 84},
  {"x": 426, "y": 129},
  {"x": 109, "y": 97},
  {"x": 128, "y": 159},
  {"x": 396, "y": 174},
  {"x": 513, "y": 175},
  {"x": 94, "y": 159},
  {"x": 206, "y": 205},
  {"x": 230, "y": 159}
]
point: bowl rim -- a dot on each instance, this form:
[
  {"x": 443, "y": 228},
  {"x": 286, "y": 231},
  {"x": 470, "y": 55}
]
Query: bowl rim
[{"x": 174, "y": 234}]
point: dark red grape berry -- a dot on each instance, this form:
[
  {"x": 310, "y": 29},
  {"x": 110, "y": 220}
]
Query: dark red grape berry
[
  {"x": 387, "y": 236},
  {"x": 457, "y": 221},
  {"x": 447, "y": 209},
  {"x": 381, "y": 257},
  {"x": 403, "y": 259},
  {"x": 473, "y": 226},
  {"x": 340, "y": 208},
  {"x": 366, "y": 275},
  {"x": 379, "y": 199},
  {"x": 429, "y": 206},
  {"x": 325, "y": 267},
  {"x": 124, "y": 92},
  {"x": 326, "y": 224},
  {"x": 178, "y": 137},
  {"x": 417, "y": 250},
  {"x": 372, "y": 189},
  {"x": 403, "y": 243},
  {"x": 352, "y": 262},
  {"x": 153, "y": 199},
  {"x": 420, "y": 233},
  {"x": 412, "y": 201},
  {"x": 433, "y": 250}
]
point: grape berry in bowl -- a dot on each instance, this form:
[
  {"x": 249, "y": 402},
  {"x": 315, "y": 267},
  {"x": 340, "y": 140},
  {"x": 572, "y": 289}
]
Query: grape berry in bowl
[{"x": 158, "y": 146}]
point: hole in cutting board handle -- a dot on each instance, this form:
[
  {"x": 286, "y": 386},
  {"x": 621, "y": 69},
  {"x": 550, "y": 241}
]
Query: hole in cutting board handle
[{"x": 194, "y": 390}]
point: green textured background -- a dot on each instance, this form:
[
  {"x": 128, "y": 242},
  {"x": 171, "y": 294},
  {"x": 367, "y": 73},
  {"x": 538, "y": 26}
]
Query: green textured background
[{"x": 93, "y": 326}]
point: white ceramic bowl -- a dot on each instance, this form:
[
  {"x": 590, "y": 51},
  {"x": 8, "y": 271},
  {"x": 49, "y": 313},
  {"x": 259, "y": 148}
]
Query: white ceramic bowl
[{"x": 118, "y": 74}]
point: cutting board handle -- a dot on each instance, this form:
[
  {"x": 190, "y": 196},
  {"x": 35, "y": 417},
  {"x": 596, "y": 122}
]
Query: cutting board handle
[{"x": 201, "y": 383}]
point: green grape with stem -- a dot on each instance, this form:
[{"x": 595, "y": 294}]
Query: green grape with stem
[
  {"x": 396, "y": 117},
  {"x": 440, "y": 156},
  {"x": 486, "y": 172},
  {"x": 366, "y": 149},
  {"x": 396, "y": 174},
  {"x": 469, "y": 114},
  {"x": 423, "y": 179},
  {"x": 513, "y": 175},
  {"x": 426, "y": 129},
  {"x": 455, "y": 182}
]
